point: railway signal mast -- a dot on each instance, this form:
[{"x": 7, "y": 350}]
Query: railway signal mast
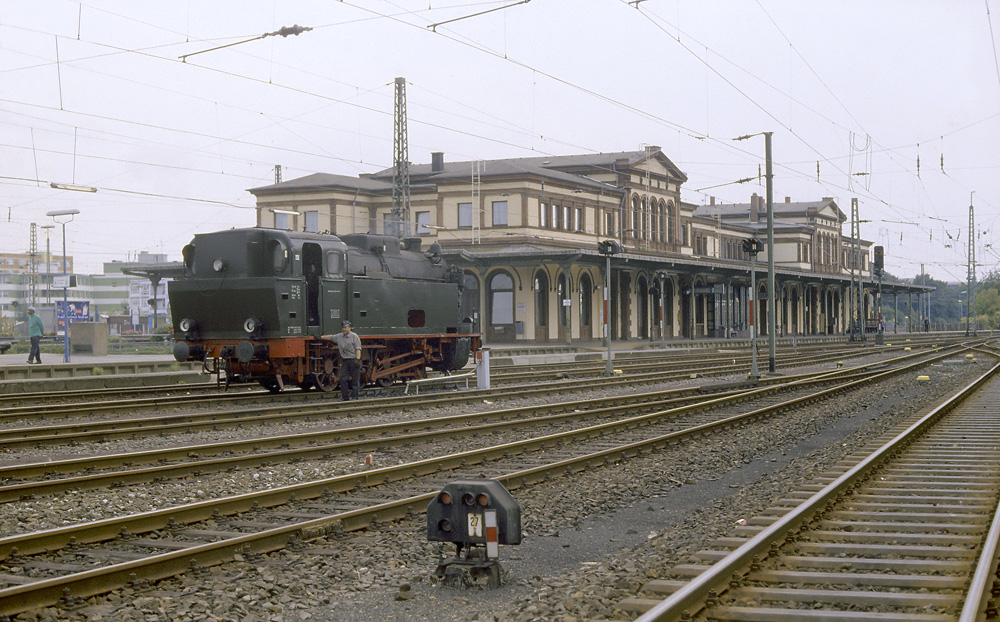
[
  {"x": 608, "y": 248},
  {"x": 879, "y": 270},
  {"x": 752, "y": 246},
  {"x": 970, "y": 324}
]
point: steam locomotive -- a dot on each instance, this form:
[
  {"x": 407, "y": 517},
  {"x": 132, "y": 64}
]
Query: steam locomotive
[{"x": 255, "y": 303}]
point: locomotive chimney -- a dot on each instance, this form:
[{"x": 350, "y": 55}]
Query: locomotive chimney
[{"x": 437, "y": 161}]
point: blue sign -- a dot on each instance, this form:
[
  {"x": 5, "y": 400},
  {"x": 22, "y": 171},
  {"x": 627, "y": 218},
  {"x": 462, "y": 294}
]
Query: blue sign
[{"x": 78, "y": 311}]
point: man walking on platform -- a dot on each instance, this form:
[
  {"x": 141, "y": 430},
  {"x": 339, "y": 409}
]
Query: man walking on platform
[{"x": 35, "y": 330}]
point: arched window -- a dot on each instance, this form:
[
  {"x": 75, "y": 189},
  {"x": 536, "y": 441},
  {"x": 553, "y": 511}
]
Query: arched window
[
  {"x": 654, "y": 222},
  {"x": 501, "y": 299},
  {"x": 663, "y": 222},
  {"x": 564, "y": 294},
  {"x": 671, "y": 234},
  {"x": 586, "y": 299},
  {"x": 642, "y": 300},
  {"x": 636, "y": 217},
  {"x": 541, "y": 286},
  {"x": 643, "y": 230},
  {"x": 470, "y": 299}
]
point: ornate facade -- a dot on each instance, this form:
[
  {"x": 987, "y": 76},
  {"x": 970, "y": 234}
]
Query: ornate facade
[{"x": 526, "y": 231}]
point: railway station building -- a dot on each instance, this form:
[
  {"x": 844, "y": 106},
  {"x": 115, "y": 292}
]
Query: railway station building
[{"x": 527, "y": 232}]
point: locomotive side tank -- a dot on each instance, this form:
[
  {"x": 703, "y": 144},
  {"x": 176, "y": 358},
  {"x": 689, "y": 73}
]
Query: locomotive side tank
[{"x": 255, "y": 303}]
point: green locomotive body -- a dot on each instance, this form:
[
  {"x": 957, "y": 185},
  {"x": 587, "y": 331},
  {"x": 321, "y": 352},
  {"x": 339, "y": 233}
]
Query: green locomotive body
[{"x": 255, "y": 304}]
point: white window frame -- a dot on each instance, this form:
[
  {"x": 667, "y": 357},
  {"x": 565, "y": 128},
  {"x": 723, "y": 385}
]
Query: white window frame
[
  {"x": 502, "y": 206},
  {"x": 311, "y": 222},
  {"x": 422, "y": 219},
  {"x": 465, "y": 213}
]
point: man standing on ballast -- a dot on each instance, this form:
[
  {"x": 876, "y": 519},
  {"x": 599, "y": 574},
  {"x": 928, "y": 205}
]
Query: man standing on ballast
[{"x": 349, "y": 345}]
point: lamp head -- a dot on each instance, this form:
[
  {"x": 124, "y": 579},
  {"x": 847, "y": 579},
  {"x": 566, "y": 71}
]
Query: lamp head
[{"x": 62, "y": 212}]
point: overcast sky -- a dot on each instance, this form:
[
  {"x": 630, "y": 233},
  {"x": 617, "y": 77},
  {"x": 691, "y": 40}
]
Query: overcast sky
[{"x": 856, "y": 93}]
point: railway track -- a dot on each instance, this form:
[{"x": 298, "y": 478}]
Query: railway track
[
  {"x": 125, "y": 420},
  {"x": 907, "y": 533},
  {"x": 701, "y": 362},
  {"x": 298, "y": 444},
  {"x": 68, "y": 563},
  {"x": 54, "y": 404},
  {"x": 183, "y": 461}
]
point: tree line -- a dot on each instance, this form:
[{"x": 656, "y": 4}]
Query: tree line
[{"x": 948, "y": 304}]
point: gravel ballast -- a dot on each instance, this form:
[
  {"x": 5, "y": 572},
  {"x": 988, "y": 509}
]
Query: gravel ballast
[{"x": 588, "y": 542}]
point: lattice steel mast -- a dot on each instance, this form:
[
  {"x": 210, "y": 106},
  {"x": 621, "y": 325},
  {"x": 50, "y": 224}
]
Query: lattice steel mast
[
  {"x": 400, "y": 220},
  {"x": 33, "y": 265},
  {"x": 857, "y": 304}
]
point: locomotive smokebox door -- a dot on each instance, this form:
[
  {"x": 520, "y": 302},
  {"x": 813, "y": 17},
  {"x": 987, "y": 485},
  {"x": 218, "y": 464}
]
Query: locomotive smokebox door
[{"x": 477, "y": 516}]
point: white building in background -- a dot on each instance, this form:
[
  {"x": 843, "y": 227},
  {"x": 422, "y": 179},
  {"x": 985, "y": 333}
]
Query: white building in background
[{"x": 110, "y": 294}]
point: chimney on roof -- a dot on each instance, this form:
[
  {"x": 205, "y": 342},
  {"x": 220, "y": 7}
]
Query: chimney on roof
[
  {"x": 788, "y": 199},
  {"x": 754, "y": 207},
  {"x": 437, "y": 161}
]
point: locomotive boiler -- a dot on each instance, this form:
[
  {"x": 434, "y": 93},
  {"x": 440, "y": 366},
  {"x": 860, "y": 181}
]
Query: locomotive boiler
[{"x": 255, "y": 303}]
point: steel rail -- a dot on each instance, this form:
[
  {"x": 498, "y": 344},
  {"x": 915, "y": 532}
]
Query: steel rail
[
  {"x": 642, "y": 365},
  {"x": 21, "y": 598},
  {"x": 985, "y": 575},
  {"x": 693, "y": 594}
]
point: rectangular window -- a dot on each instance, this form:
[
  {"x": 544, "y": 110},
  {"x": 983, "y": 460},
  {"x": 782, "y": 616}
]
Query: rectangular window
[
  {"x": 556, "y": 221},
  {"x": 543, "y": 215},
  {"x": 312, "y": 222},
  {"x": 499, "y": 213},
  {"x": 609, "y": 223},
  {"x": 333, "y": 263},
  {"x": 567, "y": 218},
  {"x": 281, "y": 221},
  {"x": 423, "y": 219},
  {"x": 503, "y": 308},
  {"x": 465, "y": 215},
  {"x": 387, "y": 228},
  {"x": 579, "y": 219}
]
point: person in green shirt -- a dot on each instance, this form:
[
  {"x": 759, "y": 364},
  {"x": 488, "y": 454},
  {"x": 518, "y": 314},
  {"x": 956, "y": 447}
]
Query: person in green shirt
[{"x": 35, "y": 330}]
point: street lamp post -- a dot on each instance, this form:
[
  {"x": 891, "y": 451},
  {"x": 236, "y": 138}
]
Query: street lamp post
[
  {"x": 48, "y": 264},
  {"x": 56, "y": 214}
]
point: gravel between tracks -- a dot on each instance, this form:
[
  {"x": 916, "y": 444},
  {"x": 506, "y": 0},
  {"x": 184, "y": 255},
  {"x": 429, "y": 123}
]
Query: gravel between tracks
[{"x": 586, "y": 546}]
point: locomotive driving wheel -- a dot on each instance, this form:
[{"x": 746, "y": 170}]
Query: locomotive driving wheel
[{"x": 325, "y": 378}]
